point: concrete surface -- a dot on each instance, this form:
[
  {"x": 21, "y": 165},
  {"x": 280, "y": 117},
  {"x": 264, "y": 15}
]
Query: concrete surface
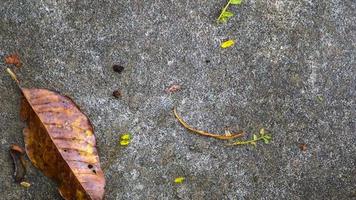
[{"x": 292, "y": 71}]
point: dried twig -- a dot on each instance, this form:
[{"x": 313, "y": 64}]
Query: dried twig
[
  {"x": 13, "y": 75},
  {"x": 17, "y": 154},
  {"x": 204, "y": 133}
]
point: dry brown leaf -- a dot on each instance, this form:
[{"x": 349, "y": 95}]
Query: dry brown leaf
[
  {"x": 204, "y": 133},
  {"x": 59, "y": 140},
  {"x": 13, "y": 59}
]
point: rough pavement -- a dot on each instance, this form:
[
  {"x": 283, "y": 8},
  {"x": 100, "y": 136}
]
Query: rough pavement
[{"x": 291, "y": 71}]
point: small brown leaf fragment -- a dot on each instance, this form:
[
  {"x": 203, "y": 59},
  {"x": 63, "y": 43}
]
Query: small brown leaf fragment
[
  {"x": 173, "y": 88},
  {"x": 303, "y": 147},
  {"x": 13, "y": 59},
  {"x": 117, "y": 94},
  {"x": 17, "y": 155},
  {"x": 204, "y": 133}
]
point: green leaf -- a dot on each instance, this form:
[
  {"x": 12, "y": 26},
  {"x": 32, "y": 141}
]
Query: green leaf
[
  {"x": 227, "y": 14},
  {"x": 320, "y": 98},
  {"x": 254, "y": 137},
  {"x": 262, "y": 131},
  {"x": 265, "y": 140},
  {"x": 235, "y": 2},
  {"x": 223, "y": 19}
]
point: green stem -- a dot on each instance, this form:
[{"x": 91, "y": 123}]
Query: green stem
[
  {"x": 223, "y": 11},
  {"x": 246, "y": 142},
  {"x": 249, "y": 141}
]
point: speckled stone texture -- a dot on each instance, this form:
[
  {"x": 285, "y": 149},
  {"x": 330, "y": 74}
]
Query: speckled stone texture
[{"x": 291, "y": 71}]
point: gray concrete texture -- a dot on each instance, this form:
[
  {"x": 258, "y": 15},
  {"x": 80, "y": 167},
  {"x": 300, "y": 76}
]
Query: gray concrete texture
[{"x": 291, "y": 71}]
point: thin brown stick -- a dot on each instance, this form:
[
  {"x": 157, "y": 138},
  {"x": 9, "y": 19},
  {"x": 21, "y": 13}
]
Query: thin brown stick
[{"x": 204, "y": 133}]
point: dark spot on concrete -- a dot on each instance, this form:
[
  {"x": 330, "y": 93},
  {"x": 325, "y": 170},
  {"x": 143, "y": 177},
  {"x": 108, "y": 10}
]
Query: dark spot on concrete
[
  {"x": 118, "y": 68},
  {"x": 117, "y": 94}
]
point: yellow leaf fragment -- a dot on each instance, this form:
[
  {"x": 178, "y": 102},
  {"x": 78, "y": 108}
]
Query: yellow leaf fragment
[
  {"x": 179, "y": 180},
  {"x": 227, "y": 44},
  {"x": 124, "y": 142},
  {"x": 125, "y": 139},
  {"x": 126, "y": 136},
  {"x": 25, "y": 184}
]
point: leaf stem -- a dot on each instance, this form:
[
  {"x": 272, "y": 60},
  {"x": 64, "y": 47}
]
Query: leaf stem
[
  {"x": 264, "y": 137},
  {"x": 248, "y": 141},
  {"x": 204, "y": 133}
]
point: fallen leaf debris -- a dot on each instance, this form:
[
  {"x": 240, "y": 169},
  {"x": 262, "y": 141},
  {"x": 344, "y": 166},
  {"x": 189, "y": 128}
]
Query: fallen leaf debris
[
  {"x": 173, "y": 88},
  {"x": 263, "y": 136},
  {"x": 179, "y": 180},
  {"x": 13, "y": 59},
  {"x": 227, "y": 44},
  {"x": 60, "y": 141},
  {"x": 125, "y": 139}
]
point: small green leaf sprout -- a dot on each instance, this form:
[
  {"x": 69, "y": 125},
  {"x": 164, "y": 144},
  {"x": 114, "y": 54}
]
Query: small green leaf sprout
[
  {"x": 225, "y": 13},
  {"x": 263, "y": 136}
]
